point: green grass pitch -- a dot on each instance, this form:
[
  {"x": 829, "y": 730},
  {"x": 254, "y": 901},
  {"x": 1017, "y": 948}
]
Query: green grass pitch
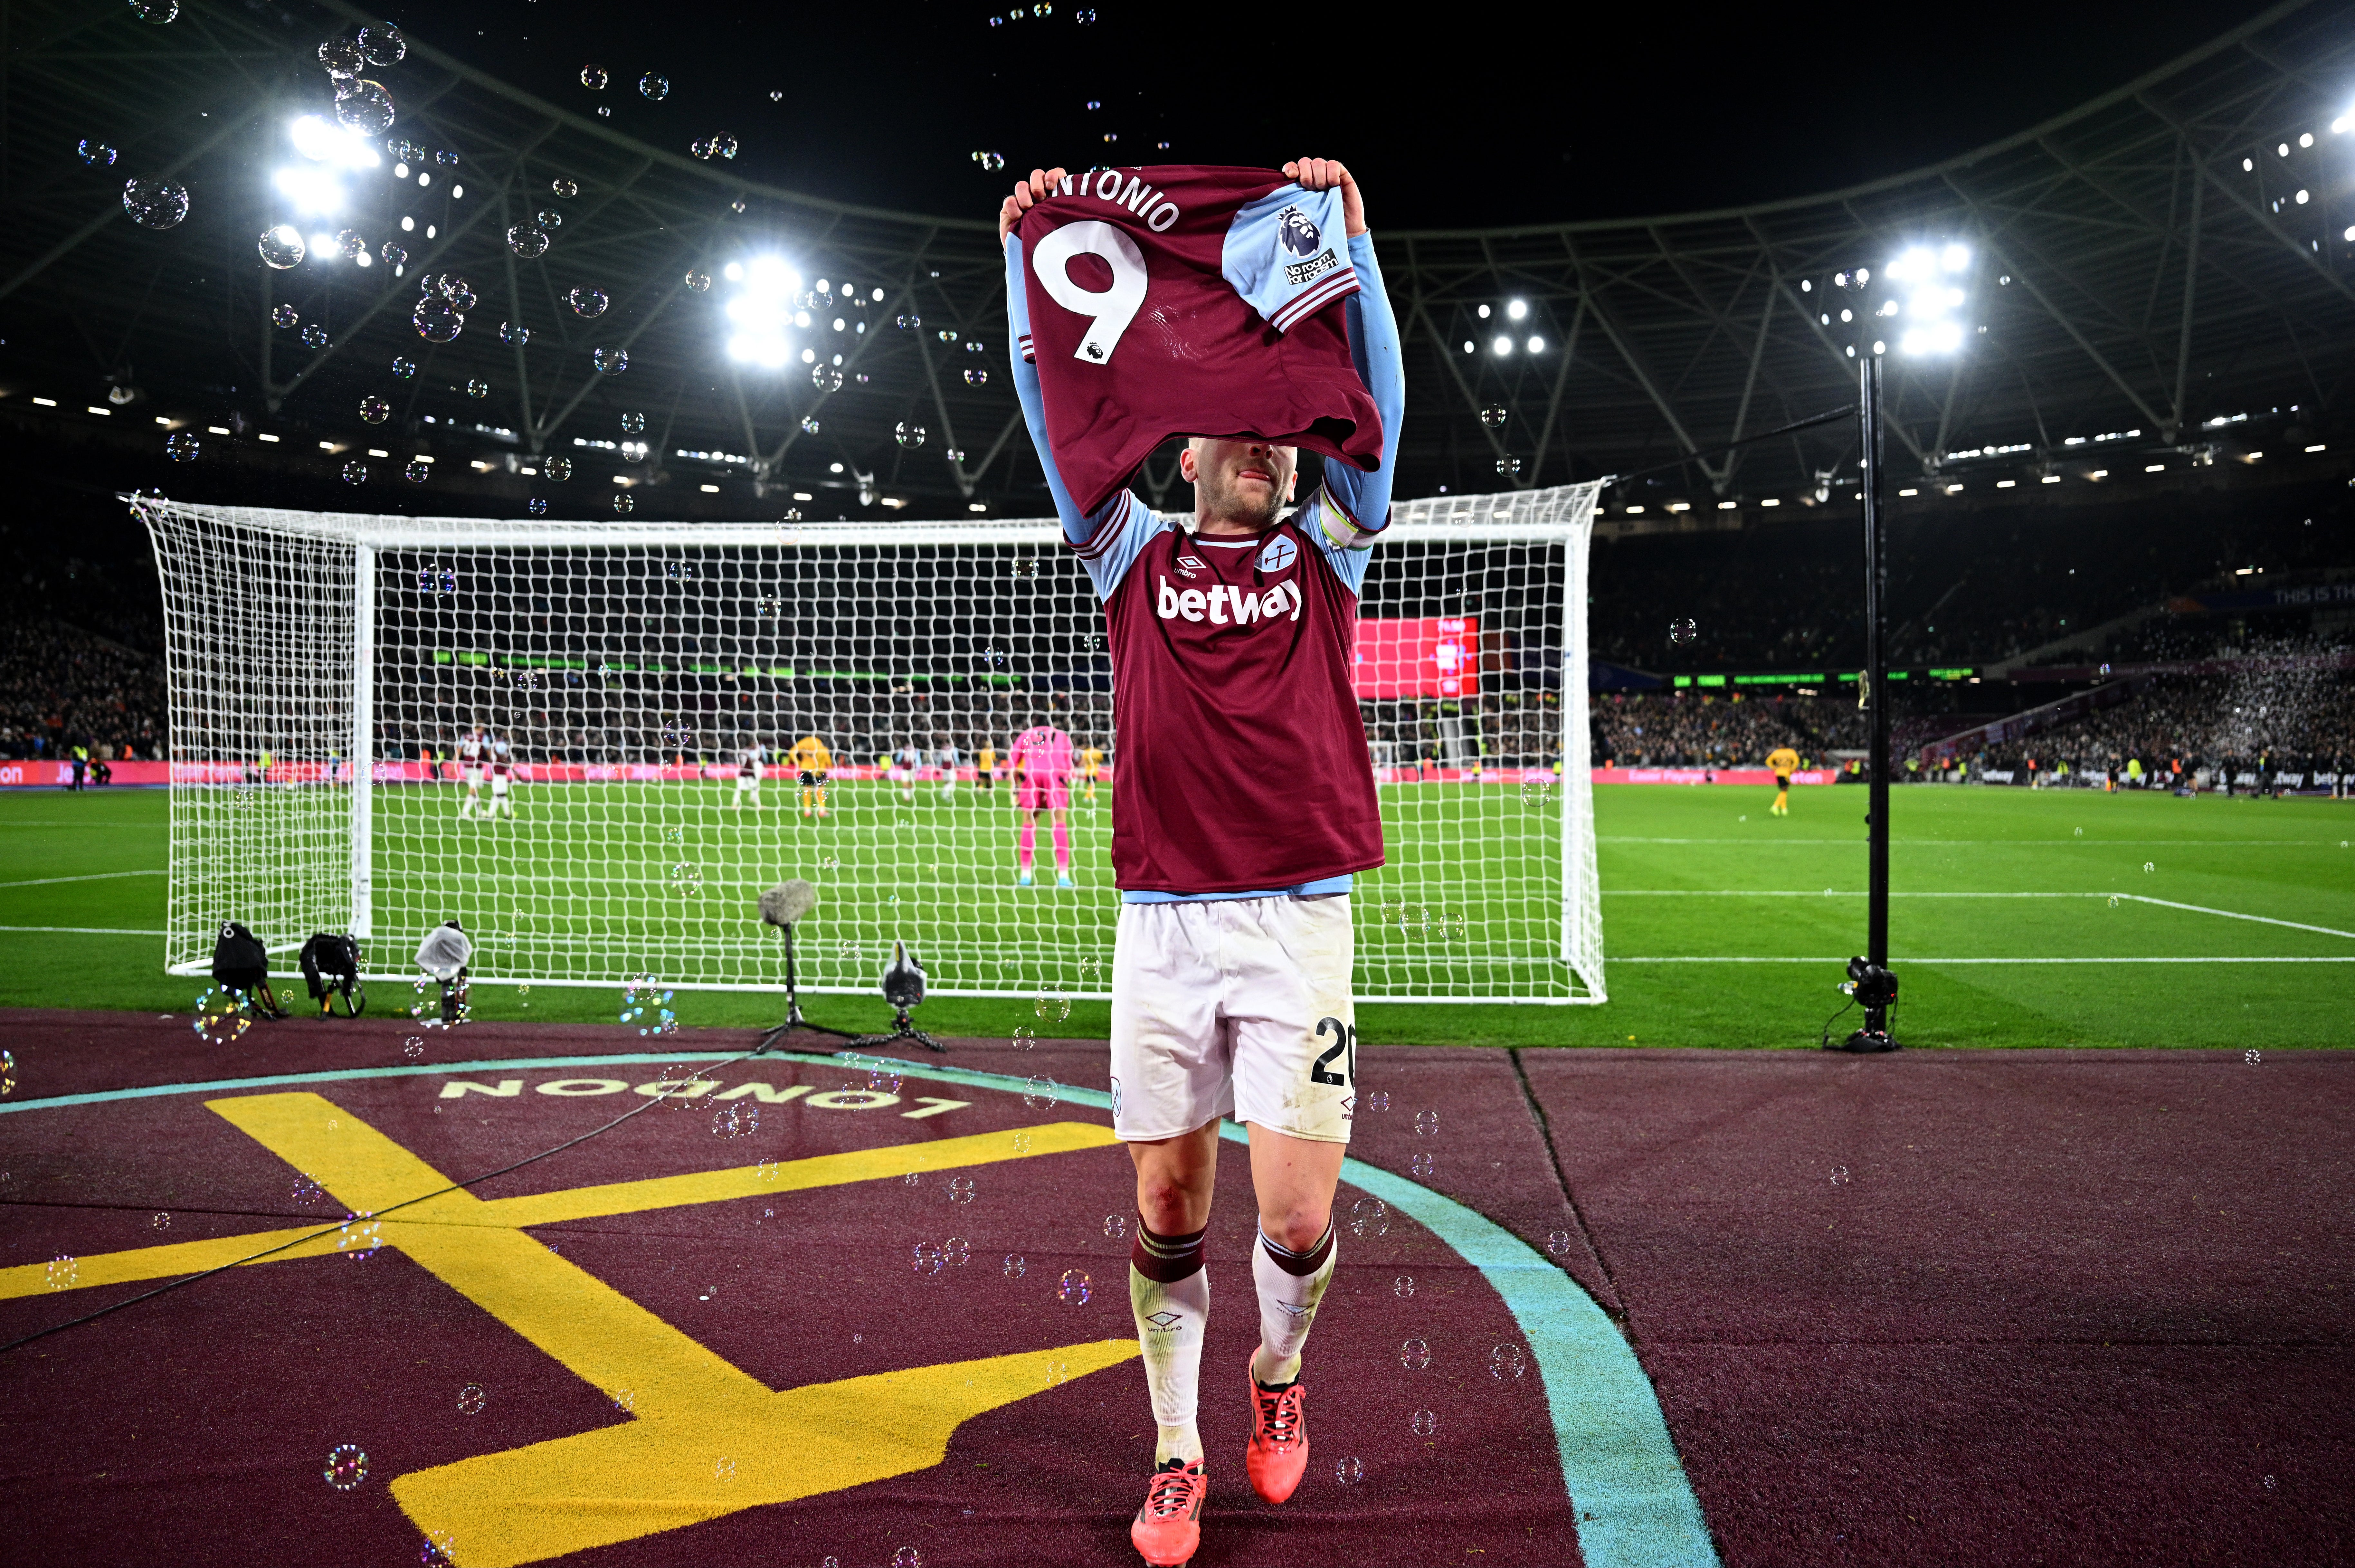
[{"x": 2021, "y": 919}]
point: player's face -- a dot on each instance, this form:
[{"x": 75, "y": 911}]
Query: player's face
[{"x": 1241, "y": 482}]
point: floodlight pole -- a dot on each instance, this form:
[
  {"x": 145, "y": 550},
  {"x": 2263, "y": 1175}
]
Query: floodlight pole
[{"x": 1874, "y": 988}]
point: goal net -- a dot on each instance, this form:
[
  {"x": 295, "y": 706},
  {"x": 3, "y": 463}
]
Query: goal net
[{"x": 628, "y": 666}]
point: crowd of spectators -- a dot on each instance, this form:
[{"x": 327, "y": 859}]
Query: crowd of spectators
[
  {"x": 1691, "y": 730},
  {"x": 61, "y": 687},
  {"x": 2297, "y": 716}
]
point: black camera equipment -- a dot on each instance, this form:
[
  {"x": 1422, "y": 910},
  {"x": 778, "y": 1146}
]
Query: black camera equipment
[
  {"x": 331, "y": 967},
  {"x": 240, "y": 963},
  {"x": 903, "y": 987}
]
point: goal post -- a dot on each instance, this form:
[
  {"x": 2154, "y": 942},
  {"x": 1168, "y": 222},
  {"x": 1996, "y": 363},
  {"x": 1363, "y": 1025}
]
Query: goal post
[{"x": 324, "y": 666}]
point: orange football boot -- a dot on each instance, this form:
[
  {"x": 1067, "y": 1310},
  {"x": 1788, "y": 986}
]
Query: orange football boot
[
  {"x": 1169, "y": 1526},
  {"x": 1277, "y": 1455}
]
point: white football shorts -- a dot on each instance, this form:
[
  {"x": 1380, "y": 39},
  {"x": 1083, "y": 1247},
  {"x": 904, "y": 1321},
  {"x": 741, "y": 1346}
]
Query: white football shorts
[
  {"x": 498, "y": 784},
  {"x": 747, "y": 782},
  {"x": 471, "y": 773},
  {"x": 1237, "y": 1007}
]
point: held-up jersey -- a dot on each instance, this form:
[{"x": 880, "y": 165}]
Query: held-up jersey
[
  {"x": 1040, "y": 757},
  {"x": 749, "y": 761},
  {"x": 1243, "y": 769},
  {"x": 1782, "y": 760},
  {"x": 1183, "y": 301},
  {"x": 810, "y": 755},
  {"x": 501, "y": 759}
]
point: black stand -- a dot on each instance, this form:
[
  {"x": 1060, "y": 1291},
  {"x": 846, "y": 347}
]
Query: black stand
[
  {"x": 1876, "y": 989},
  {"x": 902, "y": 1027},
  {"x": 794, "y": 1019}
]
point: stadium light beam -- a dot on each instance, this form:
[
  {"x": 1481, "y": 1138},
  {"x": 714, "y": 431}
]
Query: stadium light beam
[
  {"x": 323, "y": 143},
  {"x": 762, "y": 311},
  {"x": 1930, "y": 271},
  {"x": 312, "y": 190}
]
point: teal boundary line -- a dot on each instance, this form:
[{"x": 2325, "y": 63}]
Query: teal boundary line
[{"x": 1630, "y": 1500}]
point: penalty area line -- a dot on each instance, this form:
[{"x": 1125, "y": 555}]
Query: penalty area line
[
  {"x": 87, "y": 930},
  {"x": 92, "y": 877}
]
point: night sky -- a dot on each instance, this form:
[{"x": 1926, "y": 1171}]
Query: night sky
[{"x": 1454, "y": 116}]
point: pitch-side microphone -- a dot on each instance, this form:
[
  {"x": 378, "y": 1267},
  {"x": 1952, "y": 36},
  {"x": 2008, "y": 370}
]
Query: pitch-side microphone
[{"x": 788, "y": 901}]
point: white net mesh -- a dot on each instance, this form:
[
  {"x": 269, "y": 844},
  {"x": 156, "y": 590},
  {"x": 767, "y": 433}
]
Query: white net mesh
[{"x": 628, "y": 667}]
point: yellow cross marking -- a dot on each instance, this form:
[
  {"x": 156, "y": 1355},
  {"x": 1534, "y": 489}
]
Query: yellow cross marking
[{"x": 660, "y": 1469}]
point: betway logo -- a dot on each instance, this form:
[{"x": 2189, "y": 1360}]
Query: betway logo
[{"x": 1224, "y": 605}]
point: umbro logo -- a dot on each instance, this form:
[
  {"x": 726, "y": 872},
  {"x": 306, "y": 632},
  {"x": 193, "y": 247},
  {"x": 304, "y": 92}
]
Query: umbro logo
[
  {"x": 1192, "y": 563},
  {"x": 1164, "y": 1321}
]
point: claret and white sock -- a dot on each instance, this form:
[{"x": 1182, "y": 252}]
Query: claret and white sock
[
  {"x": 1169, "y": 1293},
  {"x": 1290, "y": 1283}
]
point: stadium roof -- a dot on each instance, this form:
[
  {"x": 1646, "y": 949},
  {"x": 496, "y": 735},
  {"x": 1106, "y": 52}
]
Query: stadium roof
[{"x": 2174, "y": 253}]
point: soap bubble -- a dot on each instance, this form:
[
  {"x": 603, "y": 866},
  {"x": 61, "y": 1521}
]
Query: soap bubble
[
  {"x": 655, "y": 87},
  {"x": 314, "y": 336},
  {"x": 281, "y": 246},
  {"x": 612, "y": 361},
  {"x": 341, "y": 56},
  {"x": 1403, "y": 1286},
  {"x": 697, "y": 280},
  {"x": 1493, "y": 416},
  {"x": 97, "y": 154},
  {"x": 1039, "y": 1093},
  {"x": 946, "y": 335},
  {"x": 1508, "y": 466},
  {"x": 437, "y": 320},
  {"x": 592, "y": 77},
  {"x": 1348, "y": 1472},
  {"x": 548, "y": 218},
  {"x": 284, "y": 315},
  {"x": 957, "y": 1251},
  {"x": 646, "y": 1002},
  {"x": 960, "y": 1188},
  {"x": 439, "y": 1549},
  {"x": 347, "y": 1466},
  {"x": 991, "y": 162},
  {"x": 624, "y": 505},
  {"x": 414, "y": 1049},
  {"x": 349, "y": 243},
  {"x": 1426, "y": 1124},
  {"x": 359, "y": 1235},
  {"x": 2148, "y": 867},
  {"x": 1423, "y": 1423},
  {"x": 363, "y": 105},
  {"x": 1536, "y": 794},
  {"x": 564, "y": 187},
  {"x": 307, "y": 1188},
  {"x": 927, "y": 1259},
  {"x": 471, "y": 1400},
  {"x": 1074, "y": 1288},
  {"x": 1557, "y": 1243},
  {"x": 2252, "y": 1058},
  {"x": 586, "y": 301},
  {"x": 63, "y": 1272},
  {"x": 1025, "y": 1037},
  {"x": 908, "y": 435},
  {"x": 625, "y": 1400},
  {"x": 221, "y": 1016},
  {"x": 557, "y": 468},
  {"x": 909, "y": 321},
  {"x": 907, "y": 1557},
  {"x": 1683, "y": 634},
  {"x": 181, "y": 447},
  {"x": 514, "y": 335},
  {"x": 153, "y": 204},
  {"x": 157, "y": 12},
  {"x": 404, "y": 368},
  {"x": 1115, "y": 1227},
  {"x": 1369, "y": 1217},
  {"x": 394, "y": 256},
  {"x": 1414, "y": 1355},
  {"x": 527, "y": 241},
  {"x": 1054, "y": 1002},
  {"x": 1015, "y": 1266},
  {"x": 634, "y": 424},
  {"x": 809, "y": 425},
  {"x": 976, "y": 377},
  {"x": 1422, "y": 1165},
  {"x": 1839, "y": 1176},
  {"x": 382, "y": 43},
  {"x": 417, "y": 471},
  {"x": 1507, "y": 1361},
  {"x": 825, "y": 378},
  {"x": 1380, "y": 1100}
]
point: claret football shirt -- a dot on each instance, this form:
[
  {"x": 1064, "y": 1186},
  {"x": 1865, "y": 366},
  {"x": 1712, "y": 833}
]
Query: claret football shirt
[
  {"x": 1183, "y": 301},
  {"x": 1243, "y": 767}
]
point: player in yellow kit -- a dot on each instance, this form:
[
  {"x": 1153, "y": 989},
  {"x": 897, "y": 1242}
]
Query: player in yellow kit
[
  {"x": 811, "y": 760},
  {"x": 1782, "y": 760},
  {"x": 1090, "y": 763},
  {"x": 984, "y": 767}
]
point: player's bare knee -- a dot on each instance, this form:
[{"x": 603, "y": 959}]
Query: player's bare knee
[
  {"x": 1169, "y": 1208},
  {"x": 1298, "y": 1227}
]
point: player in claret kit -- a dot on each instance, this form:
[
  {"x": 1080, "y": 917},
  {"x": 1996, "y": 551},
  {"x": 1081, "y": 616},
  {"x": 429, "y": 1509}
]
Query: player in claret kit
[
  {"x": 751, "y": 765},
  {"x": 1041, "y": 764},
  {"x": 502, "y": 761},
  {"x": 471, "y": 747},
  {"x": 1243, "y": 807}
]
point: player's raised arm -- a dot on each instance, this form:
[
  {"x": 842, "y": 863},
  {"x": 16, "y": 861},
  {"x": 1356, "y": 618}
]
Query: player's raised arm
[
  {"x": 1373, "y": 343},
  {"x": 1028, "y": 194}
]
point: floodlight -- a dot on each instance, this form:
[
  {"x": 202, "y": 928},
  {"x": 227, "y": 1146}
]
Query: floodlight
[
  {"x": 322, "y": 247},
  {"x": 733, "y": 271},
  {"x": 2306, "y": 139},
  {"x": 310, "y": 189},
  {"x": 1503, "y": 345},
  {"x": 1518, "y": 309},
  {"x": 1954, "y": 257},
  {"x": 1483, "y": 312},
  {"x": 323, "y": 143},
  {"x": 1537, "y": 344},
  {"x": 762, "y": 310}
]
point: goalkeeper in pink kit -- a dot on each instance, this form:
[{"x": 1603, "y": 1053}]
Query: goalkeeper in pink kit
[{"x": 1041, "y": 760}]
